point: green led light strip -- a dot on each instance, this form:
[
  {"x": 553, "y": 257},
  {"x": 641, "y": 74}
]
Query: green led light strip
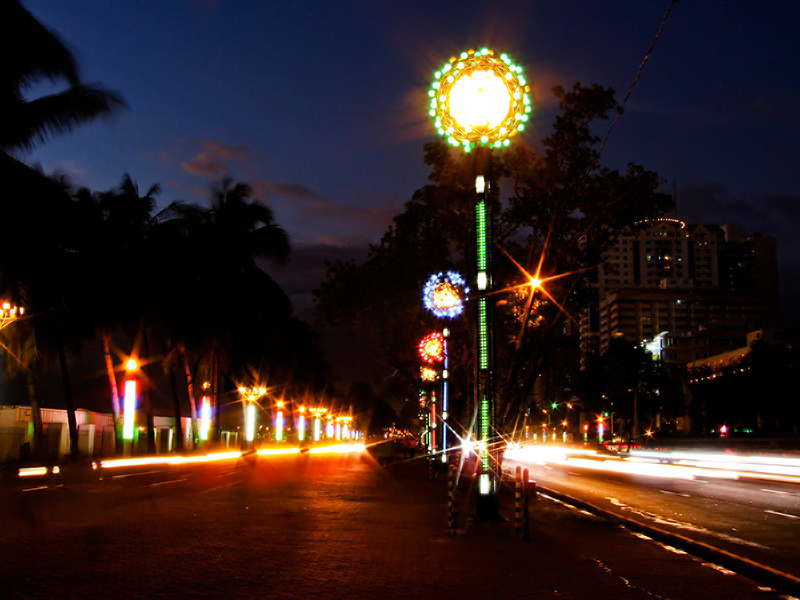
[
  {"x": 484, "y": 426},
  {"x": 483, "y": 334},
  {"x": 480, "y": 212}
]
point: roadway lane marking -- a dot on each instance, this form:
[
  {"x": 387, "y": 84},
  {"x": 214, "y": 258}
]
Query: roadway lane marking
[
  {"x": 675, "y": 493},
  {"x": 219, "y": 487},
  {"x": 135, "y": 474},
  {"x": 166, "y": 482},
  {"x": 567, "y": 504},
  {"x": 780, "y": 514},
  {"x": 664, "y": 520},
  {"x": 41, "y": 487},
  {"x": 780, "y": 492},
  {"x": 725, "y": 571}
]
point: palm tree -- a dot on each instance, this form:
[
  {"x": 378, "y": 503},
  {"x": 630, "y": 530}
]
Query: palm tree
[
  {"x": 33, "y": 207},
  {"x": 242, "y": 229},
  {"x": 30, "y": 53},
  {"x": 223, "y": 243},
  {"x": 131, "y": 234},
  {"x": 109, "y": 241}
]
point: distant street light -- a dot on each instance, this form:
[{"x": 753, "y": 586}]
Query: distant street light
[
  {"x": 279, "y": 422},
  {"x": 301, "y": 424},
  {"x": 205, "y": 413},
  {"x": 481, "y": 101},
  {"x": 9, "y": 313},
  {"x": 251, "y": 396},
  {"x": 318, "y": 414},
  {"x": 129, "y": 401}
]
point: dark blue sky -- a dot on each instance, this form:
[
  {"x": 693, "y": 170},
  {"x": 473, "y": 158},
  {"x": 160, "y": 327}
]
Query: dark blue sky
[{"x": 322, "y": 106}]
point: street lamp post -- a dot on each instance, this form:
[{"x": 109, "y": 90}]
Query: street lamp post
[
  {"x": 279, "y": 422},
  {"x": 318, "y": 414},
  {"x": 129, "y": 405},
  {"x": 444, "y": 296},
  {"x": 479, "y": 101},
  {"x": 251, "y": 396},
  {"x": 205, "y": 413},
  {"x": 301, "y": 424}
]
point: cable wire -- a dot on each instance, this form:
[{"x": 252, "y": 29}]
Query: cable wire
[{"x": 636, "y": 79}]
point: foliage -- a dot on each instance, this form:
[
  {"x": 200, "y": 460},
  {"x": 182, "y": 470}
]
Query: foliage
[
  {"x": 561, "y": 212},
  {"x": 626, "y": 382},
  {"x": 30, "y": 54}
]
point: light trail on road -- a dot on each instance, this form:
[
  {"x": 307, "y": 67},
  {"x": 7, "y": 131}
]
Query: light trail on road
[
  {"x": 177, "y": 459},
  {"x": 665, "y": 464}
]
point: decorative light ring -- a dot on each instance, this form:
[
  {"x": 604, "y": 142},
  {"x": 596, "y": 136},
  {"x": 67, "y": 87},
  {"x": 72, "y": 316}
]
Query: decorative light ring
[
  {"x": 431, "y": 348},
  {"x": 444, "y": 294},
  {"x": 494, "y": 78}
]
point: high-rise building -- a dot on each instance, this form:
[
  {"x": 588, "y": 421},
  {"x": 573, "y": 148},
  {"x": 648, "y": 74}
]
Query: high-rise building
[{"x": 697, "y": 290}]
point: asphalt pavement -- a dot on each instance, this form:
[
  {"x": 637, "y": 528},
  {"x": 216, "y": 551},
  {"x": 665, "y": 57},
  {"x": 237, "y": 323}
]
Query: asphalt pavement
[{"x": 321, "y": 526}]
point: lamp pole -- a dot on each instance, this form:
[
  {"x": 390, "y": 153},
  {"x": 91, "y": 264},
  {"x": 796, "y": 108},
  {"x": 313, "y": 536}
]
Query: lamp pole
[
  {"x": 129, "y": 405},
  {"x": 479, "y": 101},
  {"x": 445, "y": 398},
  {"x": 444, "y": 295},
  {"x": 250, "y": 396}
]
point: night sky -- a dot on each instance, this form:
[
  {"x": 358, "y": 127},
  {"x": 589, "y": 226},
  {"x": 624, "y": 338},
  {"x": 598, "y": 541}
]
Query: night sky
[{"x": 322, "y": 106}]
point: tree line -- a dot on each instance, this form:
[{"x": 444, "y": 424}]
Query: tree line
[
  {"x": 555, "y": 210},
  {"x": 182, "y": 287}
]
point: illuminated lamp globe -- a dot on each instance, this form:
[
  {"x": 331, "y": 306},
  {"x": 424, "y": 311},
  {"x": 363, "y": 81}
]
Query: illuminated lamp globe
[
  {"x": 444, "y": 294},
  {"x": 428, "y": 374},
  {"x": 431, "y": 348},
  {"x": 479, "y": 99}
]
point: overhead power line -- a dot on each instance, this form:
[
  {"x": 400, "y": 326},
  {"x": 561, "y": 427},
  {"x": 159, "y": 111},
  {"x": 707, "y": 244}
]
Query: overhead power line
[{"x": 636, "y": 79}]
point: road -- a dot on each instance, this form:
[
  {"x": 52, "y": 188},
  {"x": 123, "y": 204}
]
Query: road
[
  {"x": 319, "y": 526},
  {"x": 749, "y": 516}
]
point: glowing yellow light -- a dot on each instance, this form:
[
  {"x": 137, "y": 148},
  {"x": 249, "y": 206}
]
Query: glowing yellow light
[
  {"x": 339, "y": 448},
  {"x": 445, "y": 295},
  {"x": 535, "y": 282},
  {"x": 131, "y": 365},
  {"x": 428, "y": 374},
  {"x": 433, "y": 347},
  {"x": 479, "y": 100},
  {"x": 277, "y": 451},
  {"x": 32, "y": 471},
  {"x": 167, "y": 460}
]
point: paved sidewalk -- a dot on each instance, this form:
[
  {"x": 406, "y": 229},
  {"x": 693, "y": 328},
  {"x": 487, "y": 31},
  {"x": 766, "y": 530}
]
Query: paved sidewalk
[{"x": 324, "y": 527}]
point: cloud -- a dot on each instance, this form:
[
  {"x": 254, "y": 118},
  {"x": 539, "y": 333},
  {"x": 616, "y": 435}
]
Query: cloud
[
  {"x": 215, "y": 158},
  {"x": 292, "y": 191},
  {"x": 712, "y": 202},
  {"x": 352, "y": 216},
  {"x": 71, "y": 168}
]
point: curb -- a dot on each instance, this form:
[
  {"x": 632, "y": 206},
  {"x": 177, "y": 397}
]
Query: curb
[{"x": 756, "y": 571}]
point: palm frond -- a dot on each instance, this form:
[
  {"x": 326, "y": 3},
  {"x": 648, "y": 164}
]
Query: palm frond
[{"x": 30, "y": 123}]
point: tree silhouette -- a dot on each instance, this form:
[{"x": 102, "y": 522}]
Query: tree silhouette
[
  {"x": 30, "y": 53},
  {"x": 562, "y": 212}
]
